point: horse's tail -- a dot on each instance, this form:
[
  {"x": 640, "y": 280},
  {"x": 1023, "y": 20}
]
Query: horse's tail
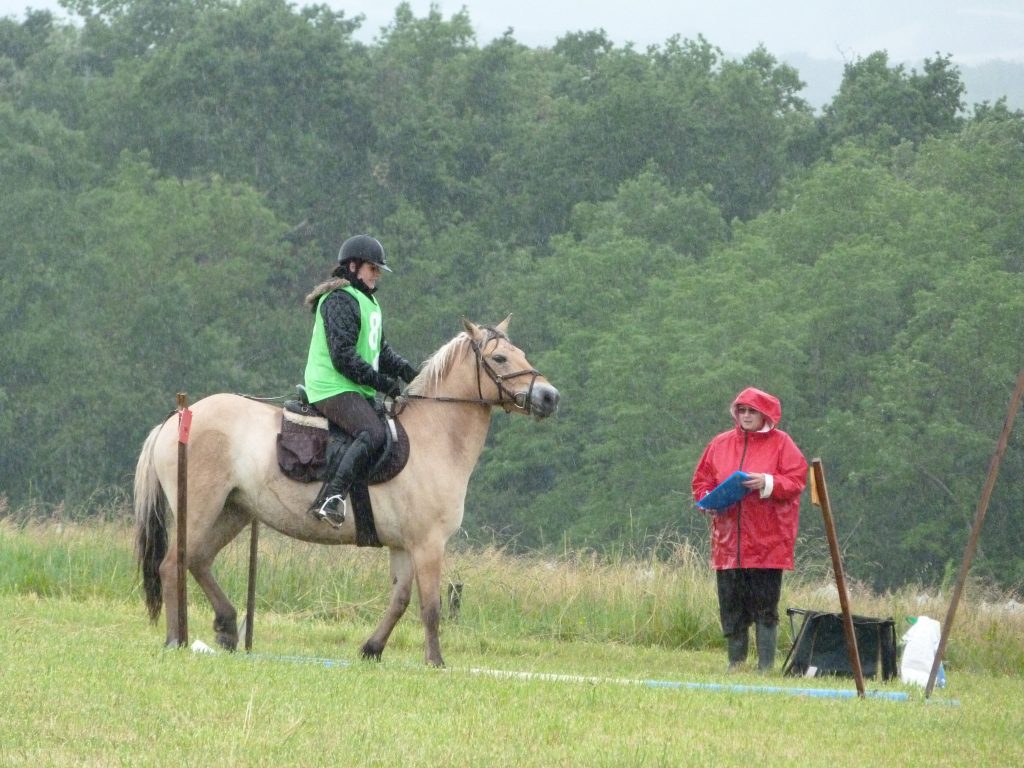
[{"x": 151, "y": 510}]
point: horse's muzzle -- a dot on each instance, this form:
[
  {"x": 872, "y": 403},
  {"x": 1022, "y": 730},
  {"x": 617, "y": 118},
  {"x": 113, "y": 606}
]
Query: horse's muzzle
[{"x": 543, "y": 400}]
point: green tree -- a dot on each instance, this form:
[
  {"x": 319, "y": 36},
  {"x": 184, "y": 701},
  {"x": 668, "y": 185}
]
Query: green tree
[
  {"x": 984, "y": 166},
  {"x": 881, "y": 106},
  {"x": 255, "y": 93},
  {"x": 44, "y": 166},
  {"x": 160, "y": 287}
]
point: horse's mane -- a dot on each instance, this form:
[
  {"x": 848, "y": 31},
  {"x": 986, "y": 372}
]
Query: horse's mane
[{"x": 439, "y": 364}]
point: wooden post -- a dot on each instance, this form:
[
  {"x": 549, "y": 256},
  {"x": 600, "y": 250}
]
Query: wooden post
[
  {"x": 819, "y": 496},
  {"x": 250, "y": 599},
  {"x": 454, "y": 599},
  {"x": 979, "y": 518},
  {"x": 184, "y": 425}
]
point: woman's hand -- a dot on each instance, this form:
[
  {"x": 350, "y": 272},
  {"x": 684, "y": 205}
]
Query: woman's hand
[{"x": 755, "y": 482}]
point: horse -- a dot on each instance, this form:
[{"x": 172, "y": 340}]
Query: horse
[{"x": 234, "y": 478}]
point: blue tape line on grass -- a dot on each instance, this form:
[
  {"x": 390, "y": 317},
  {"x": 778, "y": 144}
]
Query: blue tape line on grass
[
  {"x": 719, "y": 687},
  {"x": 821, "y": 693},
  {"x": 300, "y": 660}
]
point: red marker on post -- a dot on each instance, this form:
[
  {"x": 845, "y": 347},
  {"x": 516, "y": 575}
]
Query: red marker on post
[{"x": 184, "y": 425}]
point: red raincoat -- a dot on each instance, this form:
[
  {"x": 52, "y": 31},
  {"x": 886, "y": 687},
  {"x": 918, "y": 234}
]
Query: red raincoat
[{"x": 755, "y": 532}]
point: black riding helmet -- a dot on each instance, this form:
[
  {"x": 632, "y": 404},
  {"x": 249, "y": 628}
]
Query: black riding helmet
[{"x": 363, "y": 248}]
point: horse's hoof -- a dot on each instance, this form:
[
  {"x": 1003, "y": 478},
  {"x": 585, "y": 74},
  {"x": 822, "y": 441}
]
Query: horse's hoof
[{"x": 370, "y": 653}]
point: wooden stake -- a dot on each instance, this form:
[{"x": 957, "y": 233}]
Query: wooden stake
[
  {"x": 979, "y": 518},
  {"x": 184, "y": 425},
  {"x": 250, "y": 599},
  {"x": 819, "y": 496}
]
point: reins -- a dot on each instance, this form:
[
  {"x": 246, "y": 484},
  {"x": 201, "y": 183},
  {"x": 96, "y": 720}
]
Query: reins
[{"x": 505, "y": 396}]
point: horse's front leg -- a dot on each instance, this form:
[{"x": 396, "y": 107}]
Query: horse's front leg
[
  {"x": 401, "y": 590},
  {"x": 427, "y": 562}
]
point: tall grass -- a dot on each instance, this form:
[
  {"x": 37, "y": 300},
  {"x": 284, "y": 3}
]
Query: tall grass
[{"x": 660, "y": 597}]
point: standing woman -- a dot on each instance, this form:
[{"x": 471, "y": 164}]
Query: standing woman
[
  {"x": 348, "y": 363},
  {"x": 753, "y": 540}
]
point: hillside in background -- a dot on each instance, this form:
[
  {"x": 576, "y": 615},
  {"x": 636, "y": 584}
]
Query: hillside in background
[{"x": 983, "y": 82}]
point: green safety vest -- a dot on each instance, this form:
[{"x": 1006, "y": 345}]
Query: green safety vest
[{"x": 323, "y": 380}]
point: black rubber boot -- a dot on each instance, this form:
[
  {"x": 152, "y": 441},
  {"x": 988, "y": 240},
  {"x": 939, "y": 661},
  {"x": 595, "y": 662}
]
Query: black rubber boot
[
  {"x": 736, "y": 647},
  {"x": 330, "y": 502},
  {"x": 767, "y": 639}
]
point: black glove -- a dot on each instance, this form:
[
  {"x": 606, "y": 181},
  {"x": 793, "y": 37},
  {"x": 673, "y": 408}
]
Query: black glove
[
  {"x": 388, "y": 386},
  {"x": 409, "y": 373}
]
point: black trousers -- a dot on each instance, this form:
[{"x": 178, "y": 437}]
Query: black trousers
[
  {"x": 354, "y": 413},
  {"x": 746, "y": 595}
]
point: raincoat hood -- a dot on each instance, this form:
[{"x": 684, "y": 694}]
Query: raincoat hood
[{"x": 767, "y": 404}]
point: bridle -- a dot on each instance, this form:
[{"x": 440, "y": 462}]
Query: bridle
[{"x": 506, "y": 398}]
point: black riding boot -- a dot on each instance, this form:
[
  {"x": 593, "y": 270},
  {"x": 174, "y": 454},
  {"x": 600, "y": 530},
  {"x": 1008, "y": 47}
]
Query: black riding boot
[
  {"x": 351, "y": 467},
  {"x": 736, "y": 647},
  {"x": 767, "y": 637}
]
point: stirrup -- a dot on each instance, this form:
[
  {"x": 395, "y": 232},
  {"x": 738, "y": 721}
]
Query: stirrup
[{"x": 334, "y": 516}]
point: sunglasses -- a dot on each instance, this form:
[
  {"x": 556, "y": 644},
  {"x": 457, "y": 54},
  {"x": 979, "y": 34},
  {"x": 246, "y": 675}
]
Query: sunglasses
[{"x": 745, "y": 409}]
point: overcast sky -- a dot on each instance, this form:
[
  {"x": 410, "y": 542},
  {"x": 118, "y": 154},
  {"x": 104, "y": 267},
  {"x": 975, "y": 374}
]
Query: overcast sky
[{"x": 972, "y": 31}]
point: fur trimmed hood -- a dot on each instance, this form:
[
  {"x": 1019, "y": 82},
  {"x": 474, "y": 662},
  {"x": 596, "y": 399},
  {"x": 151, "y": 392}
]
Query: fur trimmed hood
[{"x": 325, "y": 287}]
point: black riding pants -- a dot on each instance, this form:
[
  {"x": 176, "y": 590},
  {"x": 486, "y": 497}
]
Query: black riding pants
[{"x": 354, "y": 413}]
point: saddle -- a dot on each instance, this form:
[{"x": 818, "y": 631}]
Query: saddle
[{"x": 308, "y": 442}]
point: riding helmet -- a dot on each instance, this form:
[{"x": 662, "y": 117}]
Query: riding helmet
[{"x": 363, "y": 248}]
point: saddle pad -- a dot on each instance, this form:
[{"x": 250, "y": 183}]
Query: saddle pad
[
  {"x": 304, "y": 440},
  {"x": 395, "y": 456}
]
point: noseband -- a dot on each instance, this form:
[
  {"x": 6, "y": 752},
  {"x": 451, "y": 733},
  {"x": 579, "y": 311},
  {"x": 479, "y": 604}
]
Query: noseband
[
  {"x": 523, "y": 400},
  {"x": 507, "y": 399}
]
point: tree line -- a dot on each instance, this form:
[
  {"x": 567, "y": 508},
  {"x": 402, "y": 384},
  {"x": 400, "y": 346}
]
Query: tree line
[{"x": 667, "y": 226}]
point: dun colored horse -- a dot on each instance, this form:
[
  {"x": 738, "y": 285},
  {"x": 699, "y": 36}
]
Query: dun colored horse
[{"x": 234, "y": 478}]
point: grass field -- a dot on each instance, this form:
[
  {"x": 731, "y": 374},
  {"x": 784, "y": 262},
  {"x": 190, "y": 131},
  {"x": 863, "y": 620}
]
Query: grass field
[{"x": 87, "y": 682}]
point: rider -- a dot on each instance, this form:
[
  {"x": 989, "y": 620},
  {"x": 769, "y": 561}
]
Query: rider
[{"x": 348, "y": 363}]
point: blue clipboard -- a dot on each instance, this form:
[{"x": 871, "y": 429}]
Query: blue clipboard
[{"x": 727, "y": 493}]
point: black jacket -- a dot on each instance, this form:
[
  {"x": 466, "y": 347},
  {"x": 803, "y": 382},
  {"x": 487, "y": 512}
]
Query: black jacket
[{"x": 342, "y": 320}]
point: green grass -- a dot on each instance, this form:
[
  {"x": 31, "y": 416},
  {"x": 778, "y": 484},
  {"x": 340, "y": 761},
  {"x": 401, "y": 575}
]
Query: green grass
[{"x": 86, "y": 680}]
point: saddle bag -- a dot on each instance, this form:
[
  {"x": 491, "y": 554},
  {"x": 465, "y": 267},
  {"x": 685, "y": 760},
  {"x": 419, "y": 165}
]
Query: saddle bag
[{"x": 302, "y": 442}]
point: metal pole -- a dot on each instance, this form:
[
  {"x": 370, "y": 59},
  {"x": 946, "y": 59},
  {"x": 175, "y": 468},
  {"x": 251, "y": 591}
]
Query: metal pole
[
  {"x": 250, "y": 599},
  {"x": 819, "y": 496},
  {"x": 184, "y": 425},
  {"x": 979, "y": 518}
]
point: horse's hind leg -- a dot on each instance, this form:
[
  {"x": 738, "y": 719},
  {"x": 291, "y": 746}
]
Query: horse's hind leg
[
  {"x": 401, "y": 590},
  {"x": 225, "y": 617},
  {"x": 169, "y": 588},
  {"x": 204, "y": 542},
  {"x": 204, "y": 546}
]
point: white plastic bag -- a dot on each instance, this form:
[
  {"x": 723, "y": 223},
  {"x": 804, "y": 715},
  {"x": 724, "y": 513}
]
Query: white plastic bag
[{"x": 921, "y": 642}]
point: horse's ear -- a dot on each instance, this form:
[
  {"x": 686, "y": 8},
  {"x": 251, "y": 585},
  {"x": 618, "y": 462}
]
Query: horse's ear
[
  {"x": 503, "y": 325},
  {"x": 471, "y": 328}
]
